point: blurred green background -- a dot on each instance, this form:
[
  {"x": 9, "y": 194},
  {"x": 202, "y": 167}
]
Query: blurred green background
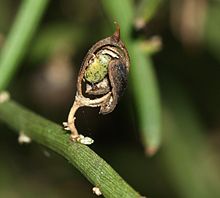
[{"x": 186, "y": 75}]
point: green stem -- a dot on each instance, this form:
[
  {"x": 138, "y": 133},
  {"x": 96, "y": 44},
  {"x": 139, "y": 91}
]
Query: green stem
[
  {"x": 21, "y": 34},
  {"x": 143, "y": 78},
  {"x": 146, "y": 95},
  {"x": 51, "y": 135}
]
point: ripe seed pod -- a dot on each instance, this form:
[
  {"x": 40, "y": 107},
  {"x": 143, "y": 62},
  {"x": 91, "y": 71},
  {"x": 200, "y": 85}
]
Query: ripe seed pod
[
  {"x": 102, "y": 79},
  {"x": 105, "y": 69}
]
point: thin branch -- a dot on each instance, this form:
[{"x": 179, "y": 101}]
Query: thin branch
[
  {"x": 51, "y": 135},
  {"x": 143, "y": 78},
  {"x": 23, "y": 29}
]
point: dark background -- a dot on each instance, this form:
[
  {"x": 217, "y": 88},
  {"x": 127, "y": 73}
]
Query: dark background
[{"x": 188, "y": 73}]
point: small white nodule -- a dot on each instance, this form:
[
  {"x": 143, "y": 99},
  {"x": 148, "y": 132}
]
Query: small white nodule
[
  {"x": 66, "y": 127},
  {"x": 4, "y": 96},
  {"x": 23, "y": 138},
  {"x": 96, "y": 191},
  {"x": 84, "y": 140}
]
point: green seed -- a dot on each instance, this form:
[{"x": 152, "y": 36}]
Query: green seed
[{"x": 98, "y": 69}]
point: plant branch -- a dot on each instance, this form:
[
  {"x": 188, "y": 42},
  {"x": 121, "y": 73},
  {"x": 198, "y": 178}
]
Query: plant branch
[
  {"x": 51, "y": 135},
  {"x": 25, "y": 24},
  {"x": 143, "y": 78}
]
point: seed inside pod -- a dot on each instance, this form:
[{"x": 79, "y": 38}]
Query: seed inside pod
[
  {"x": 102, "y": 78},
  {"x": 98, "y": 68}
]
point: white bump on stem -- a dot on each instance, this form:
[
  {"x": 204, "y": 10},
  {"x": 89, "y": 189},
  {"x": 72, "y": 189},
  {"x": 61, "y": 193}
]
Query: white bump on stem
[
  {"x": 84, "y": 140},
  {"x": 4, "y": 96},
  {"x": 23, "y": 138},
  {"x": 96, "y": 191}
]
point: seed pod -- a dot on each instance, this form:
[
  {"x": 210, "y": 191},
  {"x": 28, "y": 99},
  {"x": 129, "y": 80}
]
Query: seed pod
[
  {"x": 102, "y": 78},
  {"x": 105, "y": 69}
]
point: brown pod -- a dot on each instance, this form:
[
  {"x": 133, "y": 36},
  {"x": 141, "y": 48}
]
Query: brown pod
[
  {"x": 118, "y": 79},
  {"x": 105, "y": 69},
  {"x": 102, "y": 79}
]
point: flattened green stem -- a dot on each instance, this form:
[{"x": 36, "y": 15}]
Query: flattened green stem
[
  {"x": 143, "y": 79},
  {"x": 146, "y": 95},
  {"x": 51, "y": 135},
  {"x": 22, "y": 31}
]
